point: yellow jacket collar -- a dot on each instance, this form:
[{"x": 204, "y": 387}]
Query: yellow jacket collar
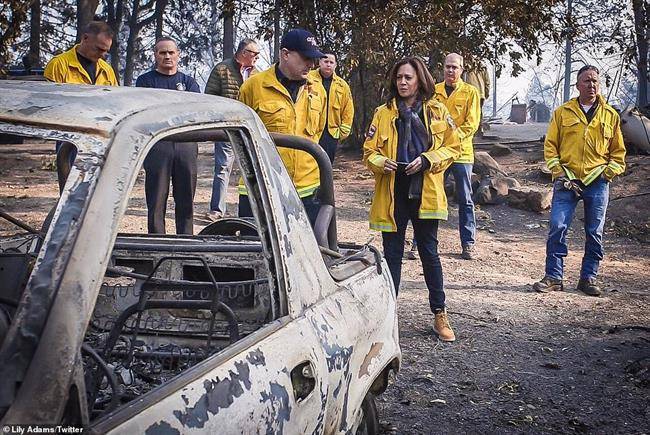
[
  {"x": 440, "y": 87},
  {"x": 271, "y": 80},
  {"x": 574, "y": 105},
  {"x": 315, "y": 76},
  {"x": 71, "y": 57},
  {"x": 73, "y": 61}
]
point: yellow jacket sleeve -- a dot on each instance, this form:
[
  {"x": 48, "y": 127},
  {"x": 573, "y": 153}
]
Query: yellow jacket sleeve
[
  {"x": 473, "y": 119},
  {"x": 552, "y": 146},
  {"x": 55, "y": 71},
  {"x": 373, "y": 159},
  {"x": 347, "y": 115},
  {"x": 616, "y": 163},
  {"x": 245, "y": 95}
]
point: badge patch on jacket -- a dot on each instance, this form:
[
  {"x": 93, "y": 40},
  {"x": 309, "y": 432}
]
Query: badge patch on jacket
[
  {"x": 450, "y": 121},
  {"x": 371, "y": 132}
]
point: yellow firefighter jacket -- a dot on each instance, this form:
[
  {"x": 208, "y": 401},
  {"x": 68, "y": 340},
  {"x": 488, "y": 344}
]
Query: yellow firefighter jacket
[
  {"x": 65, "y": 68},
  {"x": 340, "y": 107},
  {"x": 306, "y": 118},
  {"x": 381, "y": 144},
  {"x": 583, "y": 151},
  {"x": 464, "y": 105}
]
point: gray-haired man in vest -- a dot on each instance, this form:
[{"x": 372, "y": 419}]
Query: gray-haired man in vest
[{"x": 225, "y": 80}]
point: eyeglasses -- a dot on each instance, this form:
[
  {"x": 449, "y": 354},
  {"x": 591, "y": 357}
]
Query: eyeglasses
[{"x": 254, "y": 53}]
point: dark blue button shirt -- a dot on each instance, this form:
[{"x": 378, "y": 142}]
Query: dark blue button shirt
[{"x": 178, "y": 81}]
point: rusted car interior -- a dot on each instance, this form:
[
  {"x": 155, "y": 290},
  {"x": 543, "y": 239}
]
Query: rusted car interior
[
  {"x": 169, "y": 302},
  {"x": 172, "y": 309}
]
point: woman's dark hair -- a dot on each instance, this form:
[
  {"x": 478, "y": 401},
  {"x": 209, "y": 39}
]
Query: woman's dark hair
[{"x": 426, "y": 84}]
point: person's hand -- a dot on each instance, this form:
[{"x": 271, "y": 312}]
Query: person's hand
[
  {"x": 414, "y": 167},
  {"x": 389, "y": 166},
  {"x": 561, "y": 181}
]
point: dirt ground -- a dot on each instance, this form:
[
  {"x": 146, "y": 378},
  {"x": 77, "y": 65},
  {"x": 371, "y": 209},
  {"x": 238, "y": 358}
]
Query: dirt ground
[{"x": 523, "y": 362}]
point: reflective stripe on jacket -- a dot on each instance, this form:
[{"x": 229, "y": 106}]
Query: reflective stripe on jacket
[
  {"x": 306, "y": 118},
  {"x": 583, "y": 151},
  {"x": 464, "y": 105},
  {"x": 381, "y": 144},
  {"x": 65, "y": 68},
  {"x": 340, "y": 106}
]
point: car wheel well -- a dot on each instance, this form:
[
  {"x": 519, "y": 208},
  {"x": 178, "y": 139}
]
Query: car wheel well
[{"x": 380, "y": 383}]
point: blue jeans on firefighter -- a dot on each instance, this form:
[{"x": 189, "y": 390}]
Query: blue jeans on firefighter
[
  {"x": 426, "y": 232},
  {"x": 595, "y": 198},
  {"x": 462, "y": 173},
  {"x": 223, "y": 161}
]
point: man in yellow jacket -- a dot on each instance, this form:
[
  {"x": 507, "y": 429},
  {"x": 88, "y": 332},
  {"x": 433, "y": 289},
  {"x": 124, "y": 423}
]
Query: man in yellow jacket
[
  {"x": 83, "y": 64},
  {"x": 464, "y": 104},
  {"x": 340, "y": 107},
  {"x": 287, "y": 101},
  {"x": 584, "y": 150}
]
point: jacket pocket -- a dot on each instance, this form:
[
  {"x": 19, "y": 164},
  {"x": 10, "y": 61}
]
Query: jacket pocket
[
  {"x": 571, "y": 133},
  {"x": 336, "y": 99},
  {"x": 274, "y": 115},
  {"x": 437, "y": 129},
  {"x": 607, "y": 134},
  {"x": 314, "y": 109},
  {"x": 570, "y": 121}
]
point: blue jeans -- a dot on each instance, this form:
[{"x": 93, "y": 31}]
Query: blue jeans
[
  {"x": 223, "y": 160},
  {"x": 595, "y": 198},
  {"x": 462, "y": 173},
  {"x": 426, "y": 232}
]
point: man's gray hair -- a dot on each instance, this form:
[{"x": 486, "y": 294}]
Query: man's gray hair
[
  {"x": 243, "y": 44},
  {"x": 164, "y": 39}
]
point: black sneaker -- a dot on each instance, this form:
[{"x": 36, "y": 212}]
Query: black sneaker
[
  {"x": 588, "y": 286},
  {"x": 468, "y": 252},
  {"x": 548, "y": 284}
]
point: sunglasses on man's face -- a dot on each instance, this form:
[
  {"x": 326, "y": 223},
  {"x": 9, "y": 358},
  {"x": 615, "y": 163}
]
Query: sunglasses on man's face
[{"x": 254, "y": 53}]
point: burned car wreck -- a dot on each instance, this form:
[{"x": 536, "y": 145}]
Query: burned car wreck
[{"x": 251, "y": 326}]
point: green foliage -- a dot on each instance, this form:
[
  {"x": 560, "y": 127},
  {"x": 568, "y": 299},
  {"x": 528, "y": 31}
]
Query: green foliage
[
  {"x": 12, "y": 15},
  {"x": 370, "y": 36}
]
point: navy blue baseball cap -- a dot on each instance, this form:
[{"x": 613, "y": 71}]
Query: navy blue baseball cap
[{"x": 303, "y": 42}]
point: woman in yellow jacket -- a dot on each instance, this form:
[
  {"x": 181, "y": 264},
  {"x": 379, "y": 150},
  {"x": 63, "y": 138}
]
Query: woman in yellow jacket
[{"x": 410, "y": 143}]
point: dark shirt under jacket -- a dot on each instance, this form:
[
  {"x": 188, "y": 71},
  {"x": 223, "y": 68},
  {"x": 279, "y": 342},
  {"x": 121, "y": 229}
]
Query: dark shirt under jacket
[
  {"x": 292, "y": 86},
  {"x": 89, "y": 66},
  {"x": 175, "y": 82},
  {"x": 589, "y": 114}
]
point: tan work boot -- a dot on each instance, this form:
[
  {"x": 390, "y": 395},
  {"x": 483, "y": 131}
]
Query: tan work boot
[
  {"x": 588, "y": 286},
  {"x": 442, "y": 327},
  {"x": 548, "y": 284}
]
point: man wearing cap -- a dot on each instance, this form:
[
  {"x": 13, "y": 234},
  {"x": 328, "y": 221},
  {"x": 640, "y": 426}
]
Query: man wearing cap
[
  {"x": 287, "y": 101},
  {"x": 340, "y": 108}
]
